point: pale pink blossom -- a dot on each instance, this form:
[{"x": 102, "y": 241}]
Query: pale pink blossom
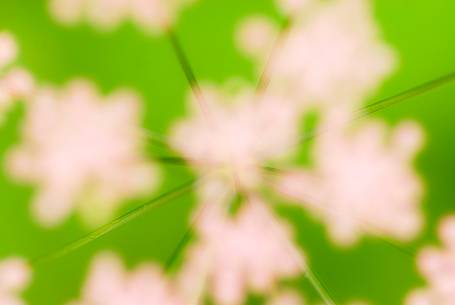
[
  {"x": 236, "y": 134},
  {"x": 362, "y": 182},
  {"x": 83, "y": 152},
  {"x": 250, "y": 252},
  {"x": 15, "y": 83},
  {"x": 150, "y": 15},
  {"x": 157, "y": 15},
  {"x": 68, "y": 12},
  {"x": 336, "y": 54},
  {"x": 256, "y": 37},
  {"x": 15, "y": 275},
  {"x": 18, "y": 83},
  {"x": 109, "y": 283},
  {"x": 437, "y": 265}
]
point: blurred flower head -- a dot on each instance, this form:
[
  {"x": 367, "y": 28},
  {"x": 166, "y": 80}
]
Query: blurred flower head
[
  {"x": 14, "y": 277},
  {"x": 110, "y": 284},
  {"x": 251, "y": 252},
  {"x": 256, "y": 37},
  {"x": 362, "y": 183},
  {"x": 237, "y": 134},
  {"x": 82, "y": 152},
  {"x": 335, "y": 55},
  {"x": 438, "y": 268},
  {"x": 151, "y": 15}
]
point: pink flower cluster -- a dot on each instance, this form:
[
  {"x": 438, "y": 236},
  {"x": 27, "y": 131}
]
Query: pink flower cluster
[
  {"x": 437, "y": 265},
  {"x": 83, "y": 152},
  {"x": 234, "y": 136},
  {"x": 151, "y": 15},
  {"x": 110, "y": 284},
  {"x": 362, "y": 182},
  {"x": 333, "y": 54},
  {"x": 250, "y": 252}
]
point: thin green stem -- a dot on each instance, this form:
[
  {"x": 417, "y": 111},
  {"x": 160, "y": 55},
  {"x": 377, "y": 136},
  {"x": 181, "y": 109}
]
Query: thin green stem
[
  {"x": 187, "y": 70},
  {"x": 182, "y": 58},
  {"x": 105, "y": 229},
  {"x": 408, "y": 94},
  {"x": 183, "y": 241},
  {"x": 392, "y": 100},
  {"x": 173, "y": 160},
  {"x": 319, "y": 287},
  {"x": 306, "y": 269}
]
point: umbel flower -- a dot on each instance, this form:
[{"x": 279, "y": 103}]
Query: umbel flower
[
  {"x": 151, "y": 15},
  {"x": 83, "y": 152},
  {"x": 236, "y": 134},
  {"x": 345, "y": 190},
  {"x": 229, "y": 142},
  {"x": 225, "y": 259},
  {"x": 437, "y": 265},
  {"x": 109, "y": 283},
  {"x": 362, "y": 181},
  {"x": 334, "y": 55}
]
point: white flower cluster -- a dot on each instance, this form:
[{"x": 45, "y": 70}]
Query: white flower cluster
[
  {"x": 438, "y": 268},
  {"x": 226, "y": 259},
  {"x": 83, "y": 152},
  {"x": 110, "y": 284},
  {"x": 361, "y": 182},
  {"x": 360, "y": 185},
  {"x": 235, "y": 135},
  {"x": 151, "y": 15},
  {"x": 334, "y": 55}
]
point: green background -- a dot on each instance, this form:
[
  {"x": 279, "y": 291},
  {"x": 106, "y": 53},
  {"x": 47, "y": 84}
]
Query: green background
[{"x": 423, "y": 33}]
